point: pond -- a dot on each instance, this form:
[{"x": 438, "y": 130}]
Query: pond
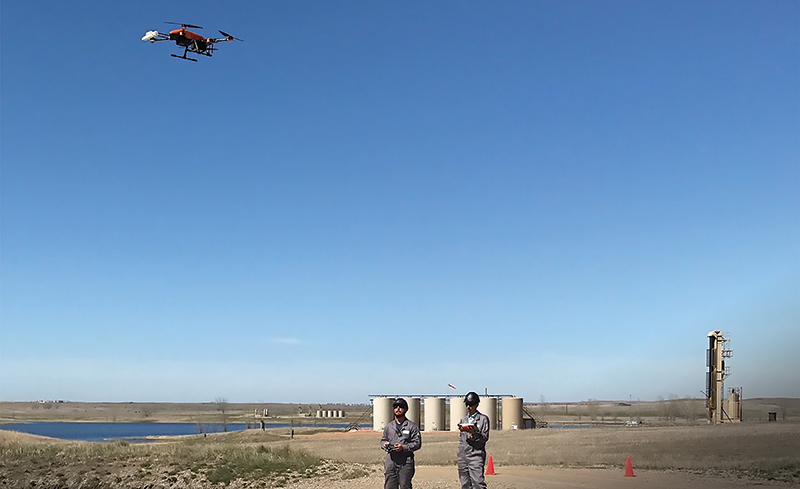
[{"x": 118, "y": 431}]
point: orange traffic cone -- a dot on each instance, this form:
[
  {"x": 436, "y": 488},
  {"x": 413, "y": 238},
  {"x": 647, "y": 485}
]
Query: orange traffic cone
[
  {"x": 490, "y": 467},
  {"x": 629, "y": 468}
]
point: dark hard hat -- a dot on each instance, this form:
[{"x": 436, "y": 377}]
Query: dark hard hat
[
  {"x": 400, "y": 402},
  {"x": 472, "y": 399}
]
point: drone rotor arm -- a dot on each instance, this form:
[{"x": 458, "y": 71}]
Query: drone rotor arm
[{"x": 229, "y": 37}]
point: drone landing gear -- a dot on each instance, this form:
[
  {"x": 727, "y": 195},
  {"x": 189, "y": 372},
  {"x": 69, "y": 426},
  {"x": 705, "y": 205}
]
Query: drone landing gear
[
  {"x": 185, "y": 52},
  {"x": 183, "y": 57}
]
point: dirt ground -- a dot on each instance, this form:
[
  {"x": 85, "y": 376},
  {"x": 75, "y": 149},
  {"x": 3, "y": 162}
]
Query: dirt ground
[
  {"x": 677, "y": 457},
  {"x": 356, "y": 460},
  {"x": 521, "y": 477},
  {"x": 668, "y": 457},
  {"x": 727, "y": 447}
]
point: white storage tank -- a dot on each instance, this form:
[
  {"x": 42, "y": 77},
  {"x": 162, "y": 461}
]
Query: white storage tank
[
  {"x": 488, "y": 406},
  {"x": 413, "y": 409},
  {"x": 382, "y": 412},
  {"x": 434, "y": 414},
  {"x": 512, "y": 413},
  {"x": 457, "y": 411}
]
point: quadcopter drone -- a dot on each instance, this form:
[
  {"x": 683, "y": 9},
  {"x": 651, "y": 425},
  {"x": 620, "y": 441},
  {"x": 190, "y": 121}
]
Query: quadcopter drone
[{"x": 190, "y": 41}]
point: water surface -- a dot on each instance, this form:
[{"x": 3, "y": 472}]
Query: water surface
[{"x": 117, "y": 431}]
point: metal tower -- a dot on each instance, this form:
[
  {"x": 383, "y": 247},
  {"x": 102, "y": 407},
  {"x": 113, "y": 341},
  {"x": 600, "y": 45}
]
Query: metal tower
[{"x": 717, "y": 373}]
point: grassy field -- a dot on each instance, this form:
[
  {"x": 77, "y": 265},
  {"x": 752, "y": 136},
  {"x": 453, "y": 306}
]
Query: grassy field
[
  {"x": 771, "y": 450},
  {"x": 663, "y": 412},
  {"x": 254, "y": 458},
  {"x": 208, "y": 412},
  {"x": 673, "y": 411},
  {"x": 271, "y": 459},
  {"x": 34, "y": 462}
]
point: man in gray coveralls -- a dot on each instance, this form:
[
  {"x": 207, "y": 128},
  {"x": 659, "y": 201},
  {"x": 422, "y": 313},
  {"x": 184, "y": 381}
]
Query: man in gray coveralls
[
  {"x": 400, "y": 439},
  {"x": 471, "y": 457}
]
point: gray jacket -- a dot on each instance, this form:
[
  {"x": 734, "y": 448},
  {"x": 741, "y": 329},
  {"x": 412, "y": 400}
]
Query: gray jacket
[
  {"x": 406, "y": 434},
  {"x": 469, "y": 443}
]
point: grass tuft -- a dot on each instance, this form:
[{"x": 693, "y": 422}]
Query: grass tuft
[{"x": 124, "y": 464}]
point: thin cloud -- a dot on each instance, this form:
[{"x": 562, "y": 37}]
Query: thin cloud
[{"x": 287, "y": 341}]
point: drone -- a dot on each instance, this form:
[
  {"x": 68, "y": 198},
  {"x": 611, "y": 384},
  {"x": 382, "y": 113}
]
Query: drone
[{"x": 190, "y": 41}]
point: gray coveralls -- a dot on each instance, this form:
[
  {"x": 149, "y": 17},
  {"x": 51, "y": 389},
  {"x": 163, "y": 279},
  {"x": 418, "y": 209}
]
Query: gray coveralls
[
  {"x": 472, "y": 453},
  {"x": 399, "y": 466}
]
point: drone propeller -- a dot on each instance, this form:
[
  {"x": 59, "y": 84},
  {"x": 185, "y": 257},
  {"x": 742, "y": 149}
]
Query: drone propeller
[
  {"x": 230, "y": 36},
  {"x": 184, "y": 25}
]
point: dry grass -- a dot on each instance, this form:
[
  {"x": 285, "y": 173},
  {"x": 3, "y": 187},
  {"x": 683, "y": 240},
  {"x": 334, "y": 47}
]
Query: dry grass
[
  {"x": 208, "y": 412},
  {"x": 666, "y": 412},
  {"x": 197, "y": 462},
  {"x": 673, "y": 411},
  {"x": 763, "y": 450},
  {"x": 271, "y": 459}
]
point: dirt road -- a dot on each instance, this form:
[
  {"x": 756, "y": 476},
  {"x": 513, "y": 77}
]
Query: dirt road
[
  {"x": 525, "y": 477},
  {"x": 521, "y": 477}
]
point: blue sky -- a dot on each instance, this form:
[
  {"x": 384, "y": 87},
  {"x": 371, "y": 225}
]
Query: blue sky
[{"x": 555, "y": 200}]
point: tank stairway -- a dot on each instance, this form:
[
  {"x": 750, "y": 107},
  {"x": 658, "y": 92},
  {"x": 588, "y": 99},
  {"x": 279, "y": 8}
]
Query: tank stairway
[
  {"x": 537, "y": 423},
  {"x": 357, "y": 423}
]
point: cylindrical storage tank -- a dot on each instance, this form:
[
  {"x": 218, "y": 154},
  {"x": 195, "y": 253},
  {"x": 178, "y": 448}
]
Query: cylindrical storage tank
[
  {"x": 340, "y": 413},
  {"x": 382, "y": 412},
  {"x": 512, "y": 413},
  {"x": 330, "y": 413},
  {"x": 434, "y": 413},
  {"x": 733, "y": 409},
  {"x": 413, "y": 409},
  {"x": 319, "y": 413},
  {"x": 488, "y": 406},
  {"x": 457, "y": 411}
]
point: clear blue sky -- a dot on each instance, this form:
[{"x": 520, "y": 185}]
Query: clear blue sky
[{"x": 556, "y": 200}]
